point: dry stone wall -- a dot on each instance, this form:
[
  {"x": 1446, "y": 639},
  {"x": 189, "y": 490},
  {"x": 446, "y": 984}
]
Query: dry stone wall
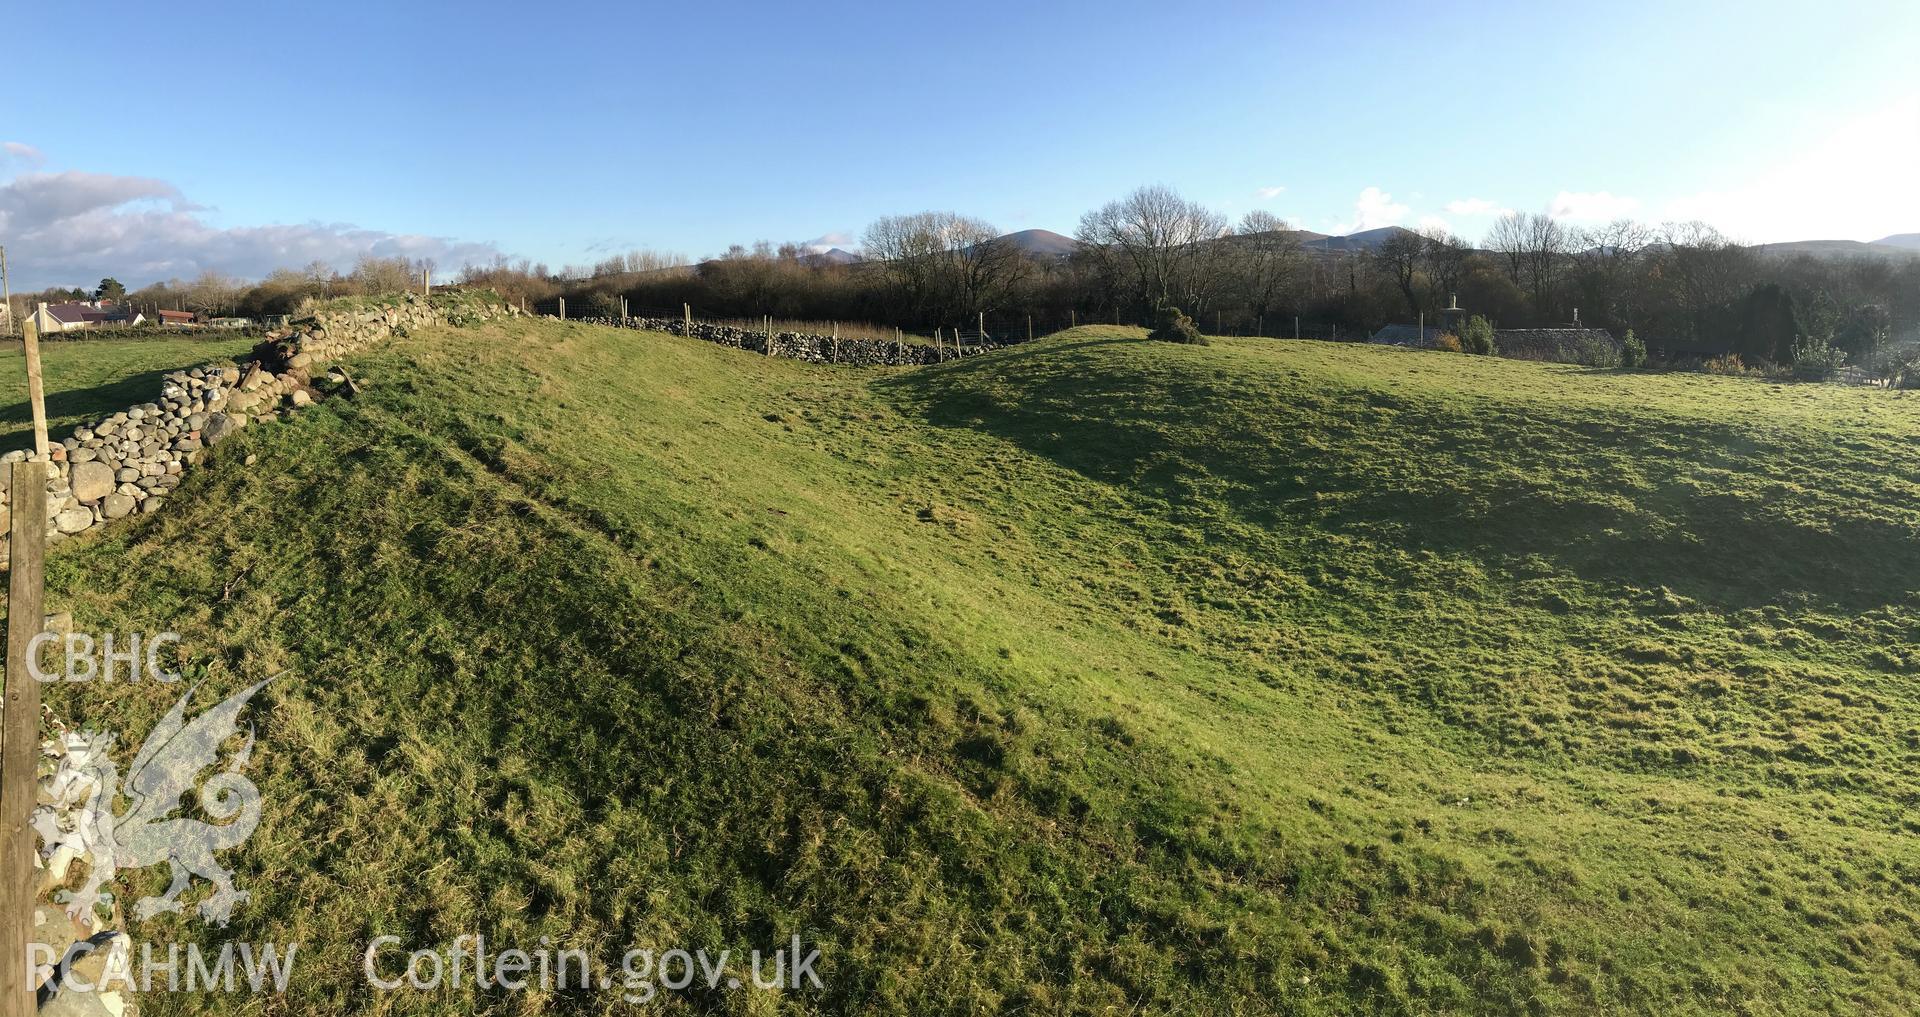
[
  {"x": 129, "y": 462},
  {"x": 818, "y": 349}
]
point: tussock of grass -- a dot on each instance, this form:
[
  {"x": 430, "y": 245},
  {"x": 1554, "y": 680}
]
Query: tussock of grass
[{"x": 1089, "y": 676}]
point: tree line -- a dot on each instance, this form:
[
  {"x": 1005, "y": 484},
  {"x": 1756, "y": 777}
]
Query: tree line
[
  {"x": 215, "y": 294},
  {"x": 1683, "y": 288}
]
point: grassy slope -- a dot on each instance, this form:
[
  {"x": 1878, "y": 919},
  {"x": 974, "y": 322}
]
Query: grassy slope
[
  {"x": 1089, "y": 674},
  {"x": 88, "y": 378}
]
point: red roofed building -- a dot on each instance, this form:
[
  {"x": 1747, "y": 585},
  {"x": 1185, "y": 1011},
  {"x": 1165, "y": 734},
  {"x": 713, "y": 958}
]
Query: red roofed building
[{"x": 74, "y": 315}]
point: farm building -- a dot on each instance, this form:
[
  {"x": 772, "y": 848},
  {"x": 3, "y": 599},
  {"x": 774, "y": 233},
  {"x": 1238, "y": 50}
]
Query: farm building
[
  {"x": 175, "y": 317},
  {"x": 1571, "y": 344},
  {"x": 74, "y": 315}
]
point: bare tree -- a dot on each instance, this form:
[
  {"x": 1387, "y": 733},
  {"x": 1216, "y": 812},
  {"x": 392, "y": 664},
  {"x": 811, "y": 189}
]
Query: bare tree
[
  {"x": 1400, "y": 256},
  {"x": 943, "y": 266},
  {"x": 213, "y": 294},
  {"x": 1533, "y": 248},
  {"x": 1159, "y": 240},
  {"x": 1547, "y": 249},
  {"x": 375, "y": 276},
  {"x": 1508, "y": 240},
  {"x": 907, "y": 248},
  {"x": 1445, "y": 258},
  {"x": 1269, "y": 257},
  {"x": 1607, "y": 262},
  {"x": 1703, "y": 270}
]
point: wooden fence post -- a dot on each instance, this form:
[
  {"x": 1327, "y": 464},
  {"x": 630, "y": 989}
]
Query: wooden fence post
[
  {"x": 20, "y": 735},
  {"x": 36, "y": 390},
  {"x": 563, "y": 308},
  {"x": 983, "y": 328},
  {"x": 686, "y": 316},
  {"x": 1029, "y": 328},
  {"x": 20, "y": 716}
]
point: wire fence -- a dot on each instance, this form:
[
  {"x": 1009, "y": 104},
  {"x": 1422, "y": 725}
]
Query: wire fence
[{"x": 995, "y": 328}]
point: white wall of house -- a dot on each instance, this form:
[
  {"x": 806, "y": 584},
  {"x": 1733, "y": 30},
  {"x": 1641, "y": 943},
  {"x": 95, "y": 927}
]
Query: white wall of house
[{"x": 45, "y": 321}]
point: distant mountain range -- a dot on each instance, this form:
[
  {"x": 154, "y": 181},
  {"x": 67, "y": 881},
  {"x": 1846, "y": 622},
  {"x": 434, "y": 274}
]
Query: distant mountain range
[
  {"x": 1900, "y": 245},
  {"x": 1048, "y": 244}
]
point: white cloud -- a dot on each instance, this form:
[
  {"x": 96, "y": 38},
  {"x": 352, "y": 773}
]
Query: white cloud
[
  {"x": 1476, "y": 206},
  {"x": 1434, "y": 222},
  {"x": 17, "y": 151},
  {"x": 72, "y": 227},
  {"x": 1592, "y": 206},
  {"x": 1373, "y": 209},
  {"x": 1270, "y": 193},
  {"x": 1855, "y": 182}
]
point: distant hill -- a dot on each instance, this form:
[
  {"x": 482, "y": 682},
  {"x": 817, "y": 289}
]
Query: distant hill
[
  {"x": 1845, "y": 248},
  {"x": 1366, "y": 240},
  {"x": 1048, "y": 244},
  {"x": 1042, "y": 243},
  {"x": 834, "y": 256}
]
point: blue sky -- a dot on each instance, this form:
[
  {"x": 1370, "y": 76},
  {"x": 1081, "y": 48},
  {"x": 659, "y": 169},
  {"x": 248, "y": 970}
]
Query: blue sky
[{"x": 237, "y": 135}]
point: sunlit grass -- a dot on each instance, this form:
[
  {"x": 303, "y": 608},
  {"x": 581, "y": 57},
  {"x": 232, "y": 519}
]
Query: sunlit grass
[
  {"x": 88, "y": 378},
  {"x": 1097, "y": 675}
]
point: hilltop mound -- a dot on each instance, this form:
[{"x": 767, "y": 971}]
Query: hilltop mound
[
  {"x": 1042, "y": 243},
  {"x": 1090, "y": 675}
]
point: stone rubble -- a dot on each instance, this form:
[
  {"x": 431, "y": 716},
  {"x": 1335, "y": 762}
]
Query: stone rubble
[
  {"x": 811, "y": 347},
  {"x": 67, "y": 819}
]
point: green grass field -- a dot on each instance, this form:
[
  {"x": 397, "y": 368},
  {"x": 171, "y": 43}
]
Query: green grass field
[
  {"x": 1092, "y": 676},
  {"x": 87, "y": 378}
]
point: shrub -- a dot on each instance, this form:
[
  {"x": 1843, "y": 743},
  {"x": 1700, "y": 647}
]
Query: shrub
[
  {"x": 1173, "y": 327},
  {"x": 1478, "y": 337},
  {"x": 1633, "y": 350},
  {"x": 1816, "y": 359},
  {"x": 1728, "y": 364},
  {"x": 1898, "y": 368},
  {"x": 1448, "y": 342},
  {"x": 1589, "y": 351}
]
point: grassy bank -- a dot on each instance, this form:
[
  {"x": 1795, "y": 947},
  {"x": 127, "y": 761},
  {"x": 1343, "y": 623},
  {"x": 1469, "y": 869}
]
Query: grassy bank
[{"x": 1095, "y": 675}]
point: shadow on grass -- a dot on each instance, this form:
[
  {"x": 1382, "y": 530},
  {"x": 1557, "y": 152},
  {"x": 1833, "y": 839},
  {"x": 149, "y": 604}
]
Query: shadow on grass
[
  {"x": 1733, "y": 516},
  {"x": 16, "y": 419}
]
